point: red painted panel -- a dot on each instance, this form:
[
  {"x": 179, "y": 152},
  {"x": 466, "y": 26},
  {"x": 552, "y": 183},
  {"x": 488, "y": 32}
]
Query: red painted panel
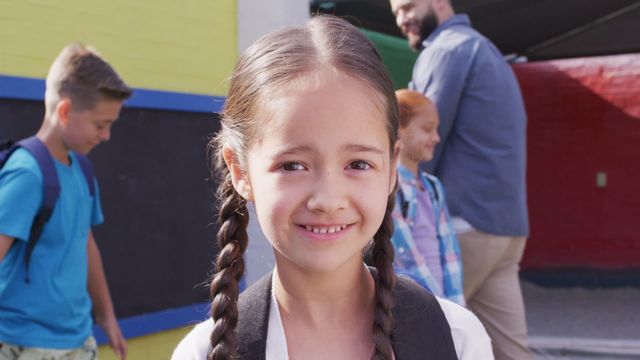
[{"x": 584, "y": 119}]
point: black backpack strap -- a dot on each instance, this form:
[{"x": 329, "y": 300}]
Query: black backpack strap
[
  {"x": 254, "y": 305},
  {"x": 404, "y": 204},
  {"x": 434, "y": 187},
  {"x": 87, "y": 170},
  {"x": 51, "y": 191},
  {"x": 422, "y": 331}
]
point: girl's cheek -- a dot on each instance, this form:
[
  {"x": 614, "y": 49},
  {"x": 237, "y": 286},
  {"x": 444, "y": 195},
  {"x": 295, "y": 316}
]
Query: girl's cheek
[{"x": 280, "y": 207}]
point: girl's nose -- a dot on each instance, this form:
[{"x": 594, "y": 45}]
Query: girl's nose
[{"x": 328, "y": 194}]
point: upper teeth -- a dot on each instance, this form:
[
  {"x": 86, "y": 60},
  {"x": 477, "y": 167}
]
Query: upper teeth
[{"x": 325, "y": 230}]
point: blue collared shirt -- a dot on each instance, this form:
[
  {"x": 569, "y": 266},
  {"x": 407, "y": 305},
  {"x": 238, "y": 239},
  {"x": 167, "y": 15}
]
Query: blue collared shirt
[{"x": 481, "y": 158}]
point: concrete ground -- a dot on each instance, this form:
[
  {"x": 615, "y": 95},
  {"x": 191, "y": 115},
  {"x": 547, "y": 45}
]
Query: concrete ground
[{"x": 580, "y": 323}]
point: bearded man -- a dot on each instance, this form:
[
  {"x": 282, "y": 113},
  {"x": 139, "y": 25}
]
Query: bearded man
[{"x": 481, "y": 159}]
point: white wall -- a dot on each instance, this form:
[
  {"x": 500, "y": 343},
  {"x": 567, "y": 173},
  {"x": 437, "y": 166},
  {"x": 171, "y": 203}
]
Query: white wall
[
  {"x": 259, "y": 17},
  {"x": 258, "y": 259},
  {"x": 256, "y": 18}
]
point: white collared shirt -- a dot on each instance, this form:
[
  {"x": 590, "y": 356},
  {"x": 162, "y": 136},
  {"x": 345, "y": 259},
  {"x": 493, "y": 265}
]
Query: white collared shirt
[{"x": 469, "y": 336}]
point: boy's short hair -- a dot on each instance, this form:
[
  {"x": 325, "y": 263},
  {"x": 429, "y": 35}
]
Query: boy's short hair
[{"x": 82, "y": 75}]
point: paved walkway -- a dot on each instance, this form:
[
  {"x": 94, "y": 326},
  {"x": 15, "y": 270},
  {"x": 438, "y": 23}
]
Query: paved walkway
[{"x": 578, "y": 323}]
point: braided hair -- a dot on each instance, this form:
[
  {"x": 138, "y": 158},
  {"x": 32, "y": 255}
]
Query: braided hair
[
  {"x": 229, "y": 266},
  {"x": 383, "y": 254}
]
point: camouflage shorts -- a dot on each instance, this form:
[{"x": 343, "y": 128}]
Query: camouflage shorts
[{"x": 88, "y": 351}]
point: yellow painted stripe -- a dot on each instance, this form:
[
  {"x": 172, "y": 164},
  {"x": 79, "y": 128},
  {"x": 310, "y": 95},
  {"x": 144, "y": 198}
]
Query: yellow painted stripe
[
  {"x": 183, "y": 46},
  {"x": 152, "y": 347}
]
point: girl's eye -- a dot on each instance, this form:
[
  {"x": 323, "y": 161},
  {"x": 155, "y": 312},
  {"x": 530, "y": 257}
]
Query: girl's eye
[
  {"x": 359, "y": 165},
  {"x": 292, "y": 166}
]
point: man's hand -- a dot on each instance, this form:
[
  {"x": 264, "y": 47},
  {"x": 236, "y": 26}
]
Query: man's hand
[{"x": 114, "y": 334}]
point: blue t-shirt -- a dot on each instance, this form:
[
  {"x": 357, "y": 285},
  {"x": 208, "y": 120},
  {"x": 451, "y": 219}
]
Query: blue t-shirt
[{"x": 54, "y": 309}]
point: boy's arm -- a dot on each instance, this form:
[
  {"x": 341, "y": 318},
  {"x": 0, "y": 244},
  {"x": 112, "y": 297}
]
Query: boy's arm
[
  {"x": 5, "y": 245},
  {"x": 102, "y": 305}
]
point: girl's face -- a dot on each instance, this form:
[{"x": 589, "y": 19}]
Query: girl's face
[
  {"x": 419, "y": 139},
  {"x": 321, "y": 172}
]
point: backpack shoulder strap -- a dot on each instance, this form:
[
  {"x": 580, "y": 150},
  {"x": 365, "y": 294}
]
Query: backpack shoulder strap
[
  {"x": 434, "y": 186},
  {"x": 51, "y": 191},
  {"x": 417, "y": 313},
  {"x": 404, "y": 204},
  {"x": 49, "y": 176},
  {"x": 254, "y": 305},
  {"x": 87, "y": 170}
]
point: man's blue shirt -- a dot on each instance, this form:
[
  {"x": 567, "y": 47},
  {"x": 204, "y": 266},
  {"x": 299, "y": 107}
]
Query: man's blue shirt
[
  {"x": 53, "y": 310},
  {"x": 481, "y": 159}
]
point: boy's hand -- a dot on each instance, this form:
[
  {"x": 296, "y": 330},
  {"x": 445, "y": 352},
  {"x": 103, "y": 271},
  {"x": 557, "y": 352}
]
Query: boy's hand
[
  {"x": 114, "y": 334},
  {"x": 5, "y": 245},
  {"x": 102, "y": 305}
]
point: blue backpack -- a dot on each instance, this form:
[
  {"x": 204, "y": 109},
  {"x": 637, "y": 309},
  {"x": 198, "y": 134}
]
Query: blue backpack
[{"x": 50, "y": 181}]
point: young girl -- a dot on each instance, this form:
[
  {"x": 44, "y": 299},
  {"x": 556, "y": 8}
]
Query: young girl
[
  {"x": 308, "y": 135},
  {"x": 426, "y": 245}
]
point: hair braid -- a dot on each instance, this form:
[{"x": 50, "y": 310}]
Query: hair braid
[
  {"x": 383, "y": 254},
  {"x": 232, "y": 243}
]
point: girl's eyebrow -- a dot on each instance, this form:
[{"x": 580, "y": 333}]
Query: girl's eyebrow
[
  {"x": 306, "y": 148},
  {"x": 363, "y": 148},
  {"x": 292, "y": 150}
]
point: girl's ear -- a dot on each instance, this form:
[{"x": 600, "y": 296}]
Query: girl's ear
[
  {"x": 239, "y": 176},
  {"x": 401, "y": 133}
]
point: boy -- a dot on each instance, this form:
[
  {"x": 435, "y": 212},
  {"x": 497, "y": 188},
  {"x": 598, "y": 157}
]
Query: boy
[{"x": 45, "y": 307}]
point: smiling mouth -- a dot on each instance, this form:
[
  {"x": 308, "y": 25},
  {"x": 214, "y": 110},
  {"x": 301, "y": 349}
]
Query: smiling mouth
[
  {"x": 411, "y": 29},
  {"x": 324, "y": 229}
]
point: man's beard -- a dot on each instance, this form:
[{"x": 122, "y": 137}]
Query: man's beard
[{"x": 428, "y": 25}]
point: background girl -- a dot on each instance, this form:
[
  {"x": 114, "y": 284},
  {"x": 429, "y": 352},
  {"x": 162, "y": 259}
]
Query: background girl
[
  {"x": 426, "y": 245},
  {"x": 308, "y": 135}
]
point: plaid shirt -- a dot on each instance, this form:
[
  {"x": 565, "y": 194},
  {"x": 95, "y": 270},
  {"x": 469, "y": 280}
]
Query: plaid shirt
[{"x": 408, "y": 260}]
